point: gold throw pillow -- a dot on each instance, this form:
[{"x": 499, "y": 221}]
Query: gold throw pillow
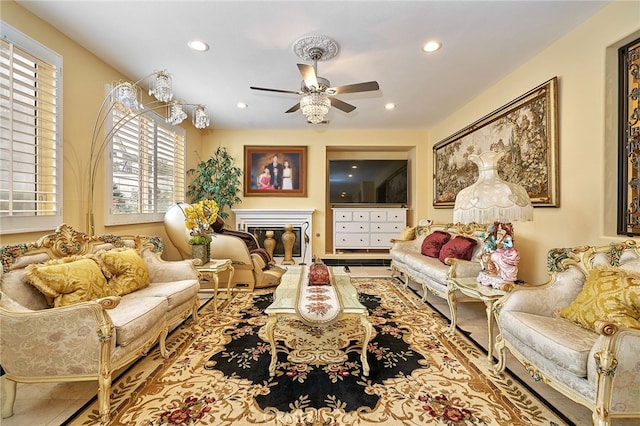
[
  {"x": 609, "y": 294},
  {"x": 125, "y": 270},
  {"x": 70, "y": 280}
]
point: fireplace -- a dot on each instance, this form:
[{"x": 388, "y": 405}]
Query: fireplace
[{"x": 258, "y": 221}]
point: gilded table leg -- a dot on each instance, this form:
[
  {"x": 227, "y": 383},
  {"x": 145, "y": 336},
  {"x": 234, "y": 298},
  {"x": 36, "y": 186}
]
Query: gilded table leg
[
  {"x": 216, "y": 283},
  {"x": 232, "y": 271},
  {"x": 453, "y": 306},
  {"x": 368, "y": 330},
  {"x": 271, "y": 324},
  {"x": 489, "y": 307}
]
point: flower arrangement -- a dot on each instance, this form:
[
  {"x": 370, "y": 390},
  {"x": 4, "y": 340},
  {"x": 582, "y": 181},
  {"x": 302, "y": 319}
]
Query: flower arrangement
[{"x": 199, "y": 218}]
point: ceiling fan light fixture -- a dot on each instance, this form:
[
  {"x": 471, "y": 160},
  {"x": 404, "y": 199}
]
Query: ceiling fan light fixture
[{"x": 315, "y": 106}]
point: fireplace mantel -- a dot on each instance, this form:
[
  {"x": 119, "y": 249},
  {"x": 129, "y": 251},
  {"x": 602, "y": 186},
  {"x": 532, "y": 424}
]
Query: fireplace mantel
[{"x": 277, "y": 218}]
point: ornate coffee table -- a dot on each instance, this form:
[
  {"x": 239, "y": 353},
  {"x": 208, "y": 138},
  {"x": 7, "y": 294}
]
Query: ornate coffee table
[{"x": 292, "y": 299}]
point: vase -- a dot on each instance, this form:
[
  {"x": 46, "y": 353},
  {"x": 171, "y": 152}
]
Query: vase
[
  {"x": 200, "y": 252},
  {"x": 288, "y": 238},
  {"x": 269, "y": 243}
]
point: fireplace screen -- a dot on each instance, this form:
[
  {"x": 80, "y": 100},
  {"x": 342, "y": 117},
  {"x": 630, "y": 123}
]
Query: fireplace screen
[{"x": 278, "y": 251}]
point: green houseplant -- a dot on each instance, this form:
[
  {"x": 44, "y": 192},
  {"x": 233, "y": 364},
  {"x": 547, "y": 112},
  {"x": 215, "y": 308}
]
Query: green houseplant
[{"x": 216, "y": 179}]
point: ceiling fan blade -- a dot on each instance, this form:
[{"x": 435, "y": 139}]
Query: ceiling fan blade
[
  {"x": 342, "y": 106},
  {"x": 293, "y": 108},
  {"x": 276, "y": 90},
  {"x": 308, "y": 75},
  {"x": 353, "y": 88}
]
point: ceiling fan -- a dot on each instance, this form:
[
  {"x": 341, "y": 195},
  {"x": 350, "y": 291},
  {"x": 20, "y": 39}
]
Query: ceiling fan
[{"x": 317, "y": 92}]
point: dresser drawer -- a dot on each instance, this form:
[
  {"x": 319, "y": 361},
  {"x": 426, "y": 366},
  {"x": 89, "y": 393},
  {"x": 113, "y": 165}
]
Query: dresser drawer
[
  {"x": 352, "y": 240},
  {"x": 389, "y": 227},
  {"x": 360, "y": 216},
  {"x": 378, "y": 216},
  {"x": 381, "y": 240},
  {"x": 343, "y": 216},
  {"x": 352, "y": 227}
]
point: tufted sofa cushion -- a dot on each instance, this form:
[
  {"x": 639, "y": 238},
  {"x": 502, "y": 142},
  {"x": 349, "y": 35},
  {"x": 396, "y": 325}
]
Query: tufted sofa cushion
[{"x": 556, "y": 339}]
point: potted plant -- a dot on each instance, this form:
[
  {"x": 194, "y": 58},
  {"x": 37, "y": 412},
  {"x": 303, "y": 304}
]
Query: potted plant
[
  {"x": 216, "y": 179},
  {"x": 199, "y": 217}
]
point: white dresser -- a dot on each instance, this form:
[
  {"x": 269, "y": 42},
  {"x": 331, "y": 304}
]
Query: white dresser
[{"x": 366, "y": 228}]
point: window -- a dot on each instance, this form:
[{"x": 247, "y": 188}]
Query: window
[
  {"x": 629, "y": 136},
  {"x": 146, "y": 170},
  {"x": 30, "y": 134}
]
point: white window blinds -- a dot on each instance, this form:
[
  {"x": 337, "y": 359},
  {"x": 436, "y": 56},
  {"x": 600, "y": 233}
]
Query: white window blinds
[
  {"x": 30, "y": 134},
  {"x": 147, "y": 168}
]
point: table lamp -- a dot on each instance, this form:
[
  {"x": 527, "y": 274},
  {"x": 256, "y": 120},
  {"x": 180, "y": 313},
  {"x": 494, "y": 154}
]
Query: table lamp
[{"x": 493, "y": 201}]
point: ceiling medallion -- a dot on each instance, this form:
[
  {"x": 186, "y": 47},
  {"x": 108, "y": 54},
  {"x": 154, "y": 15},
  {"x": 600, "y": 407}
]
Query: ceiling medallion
[{"x": 307, "y": 47}]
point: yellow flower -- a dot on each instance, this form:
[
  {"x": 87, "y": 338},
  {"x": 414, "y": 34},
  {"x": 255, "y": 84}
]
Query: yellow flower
[{"x": 199, "y": 217}]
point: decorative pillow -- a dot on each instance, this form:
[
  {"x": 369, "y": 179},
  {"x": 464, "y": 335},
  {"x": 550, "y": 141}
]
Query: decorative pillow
[
  {"x": 70, "y": 280},
  {"x": 433, "y": 243},
  {"x": 125, "y": 270},
  {"x": 609, "y": 294},
  {"x": 459, "y": 248},
  {"x": 407, "y": 234}
]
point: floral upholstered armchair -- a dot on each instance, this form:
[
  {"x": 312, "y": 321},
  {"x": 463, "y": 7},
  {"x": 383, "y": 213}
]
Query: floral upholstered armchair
[{"x": 580, "y": 332}]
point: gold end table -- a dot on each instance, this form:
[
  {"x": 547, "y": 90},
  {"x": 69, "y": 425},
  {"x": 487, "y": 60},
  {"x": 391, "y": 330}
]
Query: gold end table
[
  {"x": 472, "y": 288},
  {"x": 212, "y": 269}
]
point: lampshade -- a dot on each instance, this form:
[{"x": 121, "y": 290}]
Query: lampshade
[
  {"x": 315, "y": 106},
  {"x": 161, "y": 88},
  {"x": 200, "y": 117},
  {"x": 491, "y": 198},
  {"x": 176, "y": 114}
]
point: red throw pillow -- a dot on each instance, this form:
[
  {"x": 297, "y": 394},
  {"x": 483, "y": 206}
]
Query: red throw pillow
[
  {"x": 433, "y": 243},
  {"x": 460, "y": 248}
]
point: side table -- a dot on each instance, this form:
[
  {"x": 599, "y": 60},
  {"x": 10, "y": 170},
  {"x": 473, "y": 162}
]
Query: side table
[
  {"x": 212, "y": 269},
  {"x": 471, "y": 288}
]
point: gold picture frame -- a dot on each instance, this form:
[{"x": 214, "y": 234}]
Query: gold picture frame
[
  {"x": 526, "y": 128},
  {"x": 280, "y": 182}
]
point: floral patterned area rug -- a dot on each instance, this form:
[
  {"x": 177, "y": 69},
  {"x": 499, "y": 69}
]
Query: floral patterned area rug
[{"x": 217, "y": 373}]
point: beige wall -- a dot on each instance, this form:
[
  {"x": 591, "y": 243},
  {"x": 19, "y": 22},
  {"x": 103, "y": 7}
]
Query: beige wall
[
  {"x": 587, "y": 169},
  {"x": 578, "y": 59},
  {"x": 395, "y": 144}
]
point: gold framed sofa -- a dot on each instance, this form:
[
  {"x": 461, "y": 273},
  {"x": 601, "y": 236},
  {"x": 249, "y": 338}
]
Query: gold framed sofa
[
  {"x": 429, "y": 259},
  {"x": 75, "y": 307},
  {"x": 580, "y": 332}
]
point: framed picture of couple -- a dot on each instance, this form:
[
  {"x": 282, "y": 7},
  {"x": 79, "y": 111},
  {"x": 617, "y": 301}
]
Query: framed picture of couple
[{"x": 275, "y": 171}]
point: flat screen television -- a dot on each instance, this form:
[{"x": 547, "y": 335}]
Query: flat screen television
[{"x": 368, "y": 181}]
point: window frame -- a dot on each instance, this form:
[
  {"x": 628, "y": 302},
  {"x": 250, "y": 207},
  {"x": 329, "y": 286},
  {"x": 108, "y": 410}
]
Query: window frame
[
  {"x": 112, "y": 218},
  {"x": 20, "y": 224}
]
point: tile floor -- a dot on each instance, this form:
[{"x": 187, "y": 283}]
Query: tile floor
[{"x": 52, "y": 404}]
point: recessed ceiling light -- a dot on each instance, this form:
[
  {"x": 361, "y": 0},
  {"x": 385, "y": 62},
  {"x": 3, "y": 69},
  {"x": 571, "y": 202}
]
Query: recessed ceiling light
[
  {"x": 390, "y": 105},
  {"x": 198, "y": 45},
  {"x": 432, "y": 46},
  {"x": 242, "y": 105}
]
